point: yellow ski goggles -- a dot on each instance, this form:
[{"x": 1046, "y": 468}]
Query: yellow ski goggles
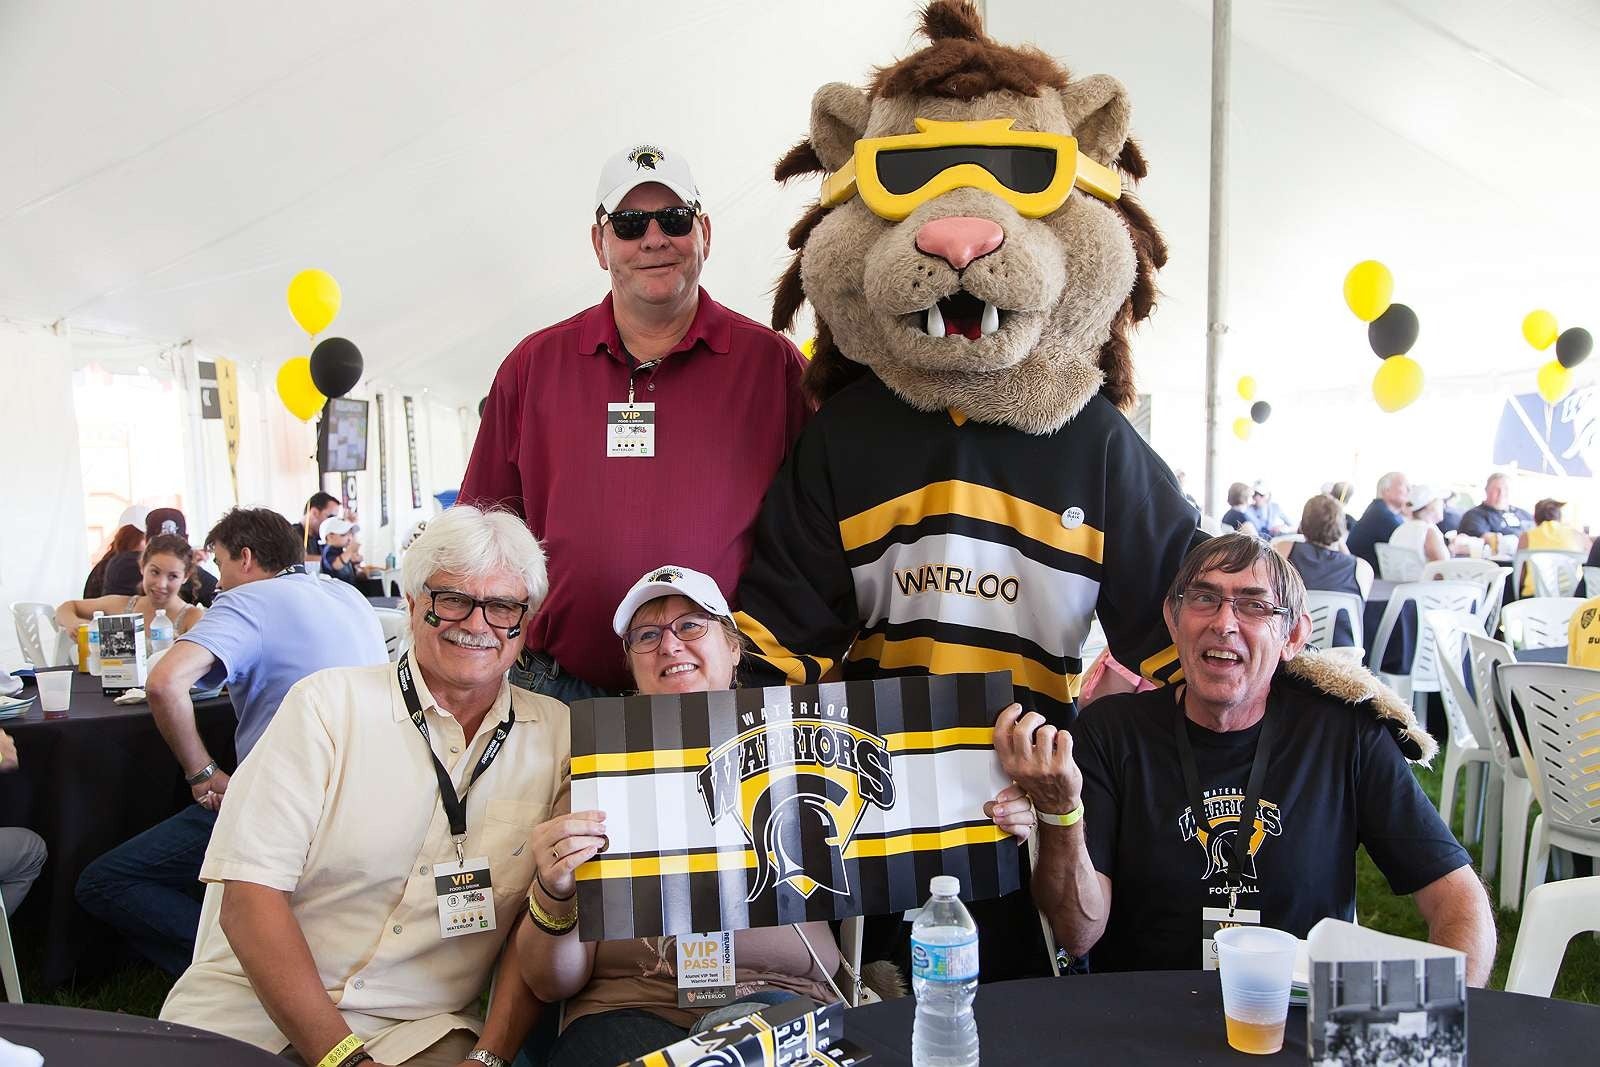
[{"x": 1033, "y": 172}]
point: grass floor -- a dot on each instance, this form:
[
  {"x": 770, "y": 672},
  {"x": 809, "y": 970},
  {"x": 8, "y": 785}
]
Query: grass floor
[{"x": 140, "y": 989}]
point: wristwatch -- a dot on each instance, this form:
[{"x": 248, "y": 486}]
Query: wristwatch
[{"x": 484, "y": 1056}]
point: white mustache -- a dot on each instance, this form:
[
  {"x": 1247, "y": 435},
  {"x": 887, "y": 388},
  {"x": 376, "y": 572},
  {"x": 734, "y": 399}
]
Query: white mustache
[{"x": 468, "y": 639}]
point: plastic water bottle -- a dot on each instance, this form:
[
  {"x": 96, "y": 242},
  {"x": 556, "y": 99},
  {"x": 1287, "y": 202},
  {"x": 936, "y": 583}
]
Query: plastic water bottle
[
  {"x": 162, "y": 632},
  {"x": 944, "y": 976},
  {"x": 94, "y": 644}
]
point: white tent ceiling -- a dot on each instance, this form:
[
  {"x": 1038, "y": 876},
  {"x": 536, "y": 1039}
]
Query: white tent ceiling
[{"x": 171, "y": 165}]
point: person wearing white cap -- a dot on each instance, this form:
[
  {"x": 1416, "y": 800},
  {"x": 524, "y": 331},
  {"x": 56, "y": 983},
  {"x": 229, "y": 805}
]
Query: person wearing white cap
[
  {"x": 1419, "y": 531},
  {"x": 657, "y": 401},
  {"x": 341, "y": 557},
  {"x": 1265, "y": 514}
]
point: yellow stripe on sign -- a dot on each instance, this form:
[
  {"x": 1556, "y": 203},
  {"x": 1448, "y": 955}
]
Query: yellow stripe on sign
[
  {"x": 924, "y": 841},
  {"x": 769, "y": 648},
  {"x": 920, "y": 740},
  {"x": 656, "y": 866},
  {"x": 977, "y": 502},
  {"x": 942, "y": 658},
  {"x": 661, "y": 759}
]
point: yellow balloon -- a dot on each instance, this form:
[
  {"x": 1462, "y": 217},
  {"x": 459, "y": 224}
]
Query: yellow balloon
[
  {"x": 1368, "y": 289},
  {"x": 1241, "y": 428},
  {"x": 1398, "y": 383},
  {"x": 296, "y": 389},
  {"x": 809, "y": 348},
  {"x": 1540, "y": 329},
  {"x": 1555, "y": 381},
  {"x": 1247, "y": 387},
  {"x": 314, "y": 300}
]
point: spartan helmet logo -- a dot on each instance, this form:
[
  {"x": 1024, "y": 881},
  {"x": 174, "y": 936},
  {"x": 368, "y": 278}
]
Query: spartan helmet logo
[
  {"x": 1588, "y": 617},
  {"x": 666, "y": 574},
  {"x": 718, "y": 1047},
  {"x": 646, "y": 156},
  {"x": 1220, "y": 846},
  {"x": 799, "y": 788}
]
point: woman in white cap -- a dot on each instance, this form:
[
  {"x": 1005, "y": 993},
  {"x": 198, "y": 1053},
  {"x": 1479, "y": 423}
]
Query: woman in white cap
[
  {"x": 1420, "y": 530},
  {"x": 622, "y": 996}
]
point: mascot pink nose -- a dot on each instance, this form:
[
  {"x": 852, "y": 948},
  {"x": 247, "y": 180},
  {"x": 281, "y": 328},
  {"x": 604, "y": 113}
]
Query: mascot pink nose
[{"x": 960, "y": 239}]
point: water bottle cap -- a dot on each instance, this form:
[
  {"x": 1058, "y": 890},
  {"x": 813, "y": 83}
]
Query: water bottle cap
[{"x": 945, "y": 885}]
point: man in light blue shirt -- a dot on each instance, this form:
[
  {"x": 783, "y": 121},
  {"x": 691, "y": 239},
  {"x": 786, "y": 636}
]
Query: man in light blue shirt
[
  {"x": 271, "y": 625},
  {"x": 1264, "y": 513}
]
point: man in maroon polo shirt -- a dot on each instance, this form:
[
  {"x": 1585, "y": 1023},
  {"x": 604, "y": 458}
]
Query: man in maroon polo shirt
[{"x": 643, "y": 429}]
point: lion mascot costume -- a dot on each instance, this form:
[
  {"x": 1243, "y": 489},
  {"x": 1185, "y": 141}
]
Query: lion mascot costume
[{"x": 969, "y": 496}]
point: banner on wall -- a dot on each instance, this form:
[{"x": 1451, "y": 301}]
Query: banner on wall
[
  {"x": 210, "y": 402},
  {"x": 411, "y": 451},
  {"x": 383, "y": 465},
  {"x": 228, "y": 401},
  {"x": 1561, "y": 438},
  {"x": 750, "y": 808}
]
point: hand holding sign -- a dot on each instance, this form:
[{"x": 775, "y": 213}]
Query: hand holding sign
[
  {"x": 1038, "y": 757},
  {"x": 1012, "y": 811},
  {"x": 563, "y": 844}
]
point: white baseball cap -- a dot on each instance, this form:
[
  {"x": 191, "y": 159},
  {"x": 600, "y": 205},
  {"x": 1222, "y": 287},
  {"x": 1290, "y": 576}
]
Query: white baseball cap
[
  {"x": 1421, "y": 496},
  {"x": 670, "y": 581},
  {"x": 134, "y": 515},
  {"x": 333, "y": 524},
  {"x": 639, "y": 165}
]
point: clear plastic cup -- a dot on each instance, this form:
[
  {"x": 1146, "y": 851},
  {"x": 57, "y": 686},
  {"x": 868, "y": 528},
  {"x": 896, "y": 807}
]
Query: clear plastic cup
[
  {"x": 55, "y": 688},
  {"x": 1257, "y": 968}
]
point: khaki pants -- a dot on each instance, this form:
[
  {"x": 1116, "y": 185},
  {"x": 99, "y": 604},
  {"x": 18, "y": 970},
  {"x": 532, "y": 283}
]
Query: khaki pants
[{"x": 448, "y": 1051}]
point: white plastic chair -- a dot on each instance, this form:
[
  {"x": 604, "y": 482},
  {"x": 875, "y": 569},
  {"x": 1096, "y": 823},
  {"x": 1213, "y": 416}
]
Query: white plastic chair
[
  {"x": 1496, "y": 600},
  {"x": 1468, "y": 742},
  {"x": 1510, "y": 792},
  {"x": 42, "y": 641},
  {"x": 1324, "y": 607},
  {"x": 1539, "y": 622},
  {"x": 9, "y": 977},
  {"x": 1591, "y": 581},
  {"x": 1553, "y": 916},
  {"x": 1461, "y": 570},
  {"x": 1428, "y": 596},
  {"x": 1562, "y": 707},
  {"x": 1555, "y": 572},
  {"x": 396, "y": 631},
  {"x": 1397, "y": 563},
  {"x": 389, "y": 581}
]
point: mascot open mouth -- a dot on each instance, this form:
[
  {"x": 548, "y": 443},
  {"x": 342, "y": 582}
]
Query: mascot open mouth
[{"x": 961, "y": 313}]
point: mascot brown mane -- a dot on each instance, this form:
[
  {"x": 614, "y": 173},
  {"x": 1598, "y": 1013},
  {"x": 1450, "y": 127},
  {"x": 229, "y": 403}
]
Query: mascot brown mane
[{"x": 1069, "y": 287}]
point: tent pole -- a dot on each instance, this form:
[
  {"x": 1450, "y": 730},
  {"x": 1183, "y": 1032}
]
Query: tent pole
[{"x": 1216, "y": 262}]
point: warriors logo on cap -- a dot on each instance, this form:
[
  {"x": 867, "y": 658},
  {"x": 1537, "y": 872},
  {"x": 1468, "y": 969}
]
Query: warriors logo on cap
[
  {"x": 646, "y": 156},
  {"x": 666, "y": 574}
]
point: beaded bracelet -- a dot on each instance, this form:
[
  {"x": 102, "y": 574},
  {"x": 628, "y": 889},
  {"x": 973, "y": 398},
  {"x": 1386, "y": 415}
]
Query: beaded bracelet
[{"x": 550, "y": 924}]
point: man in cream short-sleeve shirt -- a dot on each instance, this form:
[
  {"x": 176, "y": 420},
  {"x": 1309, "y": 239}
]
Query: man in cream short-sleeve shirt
[{"x": 323, "y": 919}]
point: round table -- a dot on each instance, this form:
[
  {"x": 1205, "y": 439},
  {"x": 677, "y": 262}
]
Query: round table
[
  {"x": 89, "y": 781},
  {"x": 1176, "y": 1017},
  {"x": 79, "y": 1036}
]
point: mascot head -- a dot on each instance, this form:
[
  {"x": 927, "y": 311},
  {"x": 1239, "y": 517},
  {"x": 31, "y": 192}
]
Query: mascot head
[{"x": 975, "y": 244}]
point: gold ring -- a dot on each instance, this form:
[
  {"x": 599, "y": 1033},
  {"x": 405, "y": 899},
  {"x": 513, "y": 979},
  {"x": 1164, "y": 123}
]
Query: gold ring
[{"x": 554, "y": 853}]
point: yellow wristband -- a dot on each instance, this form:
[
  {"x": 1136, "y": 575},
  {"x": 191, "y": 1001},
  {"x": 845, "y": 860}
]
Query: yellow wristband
[
  {"x": 550, "y": 924},
  {"x": 1069, "y": 819},
  {"x": 336, "y": 1055}
]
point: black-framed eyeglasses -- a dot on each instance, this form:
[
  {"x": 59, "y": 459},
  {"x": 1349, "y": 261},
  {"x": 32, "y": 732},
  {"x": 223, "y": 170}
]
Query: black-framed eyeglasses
[
  {"x": 630, "y": 225},
  {"x": 690, "y": 626},
  {"x": 452, "y": 605},
  {"x": 1206, "y": 604}
]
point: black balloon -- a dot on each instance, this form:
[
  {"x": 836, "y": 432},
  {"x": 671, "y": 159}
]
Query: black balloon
[
  {"x": 1573, "y": 346},
  {"x": 1394, "y": 332},
  {"x": 1260, "y": 411},
  {"x": 481, "y": 404},
  {"x": 335, "y": 366}
]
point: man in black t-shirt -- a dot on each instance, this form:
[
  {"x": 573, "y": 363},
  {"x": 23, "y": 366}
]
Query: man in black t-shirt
[
  {"x": 1253, "y": 737},
  {"x": 1496, "y": 515}
]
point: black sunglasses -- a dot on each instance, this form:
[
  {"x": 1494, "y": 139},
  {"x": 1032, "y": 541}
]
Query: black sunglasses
[{"x": 630, "y": 225}]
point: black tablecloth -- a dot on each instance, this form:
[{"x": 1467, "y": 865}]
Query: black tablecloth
[
  {"x": 87, "y": 783},
  {"x": 74, "y": 1037},
  {"x": 1176, "y": 1017}
]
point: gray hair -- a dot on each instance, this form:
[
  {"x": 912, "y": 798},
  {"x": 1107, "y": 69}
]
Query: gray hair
[
  {"x": 1233, "y": 553},
  {"x": 1387, "y": 481},
  {"x": 464, "y": 540}
]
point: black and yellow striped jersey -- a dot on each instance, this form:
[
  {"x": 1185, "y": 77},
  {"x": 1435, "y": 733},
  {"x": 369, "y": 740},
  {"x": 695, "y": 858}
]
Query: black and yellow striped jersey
[{"x": 896, "y": 542}]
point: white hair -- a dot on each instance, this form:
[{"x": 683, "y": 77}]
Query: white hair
[
  {"x": 1387, "y": 481},
  {"x": 464, "y": 540}
]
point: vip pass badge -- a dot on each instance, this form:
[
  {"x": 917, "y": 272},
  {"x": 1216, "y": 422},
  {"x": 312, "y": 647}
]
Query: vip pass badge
[
  {"x": 705, "y": 969},
  {"x": 631, "y": 427},
  {"x": 466, "y": 897}
]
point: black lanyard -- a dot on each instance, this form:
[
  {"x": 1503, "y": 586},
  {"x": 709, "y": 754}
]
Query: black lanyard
[
  {"x": 1231, "y": 866},
  {"x": 649, "y": 365},
  {"x": 454, "y": 807}
]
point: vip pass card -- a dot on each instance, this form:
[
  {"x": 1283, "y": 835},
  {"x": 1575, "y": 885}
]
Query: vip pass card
[
  {"x": 466, "y": 897},
  {"x": 705, "y": 969},
  {"x": 631, "y": 430},
  {"x": 1214, "y": 919}
]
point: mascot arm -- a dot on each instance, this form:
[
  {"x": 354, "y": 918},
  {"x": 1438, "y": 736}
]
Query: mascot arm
[
  {"x": 797, "y": 598},
  {"x": 1145, "y": 546}
]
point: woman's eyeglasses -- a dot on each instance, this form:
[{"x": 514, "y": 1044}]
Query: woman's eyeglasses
[
  {"x": 691, "y": 626},
  {"x": 630, "y": 225}
]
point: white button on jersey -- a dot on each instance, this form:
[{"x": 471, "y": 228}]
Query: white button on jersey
[{"x": 1072, "y": 518}]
